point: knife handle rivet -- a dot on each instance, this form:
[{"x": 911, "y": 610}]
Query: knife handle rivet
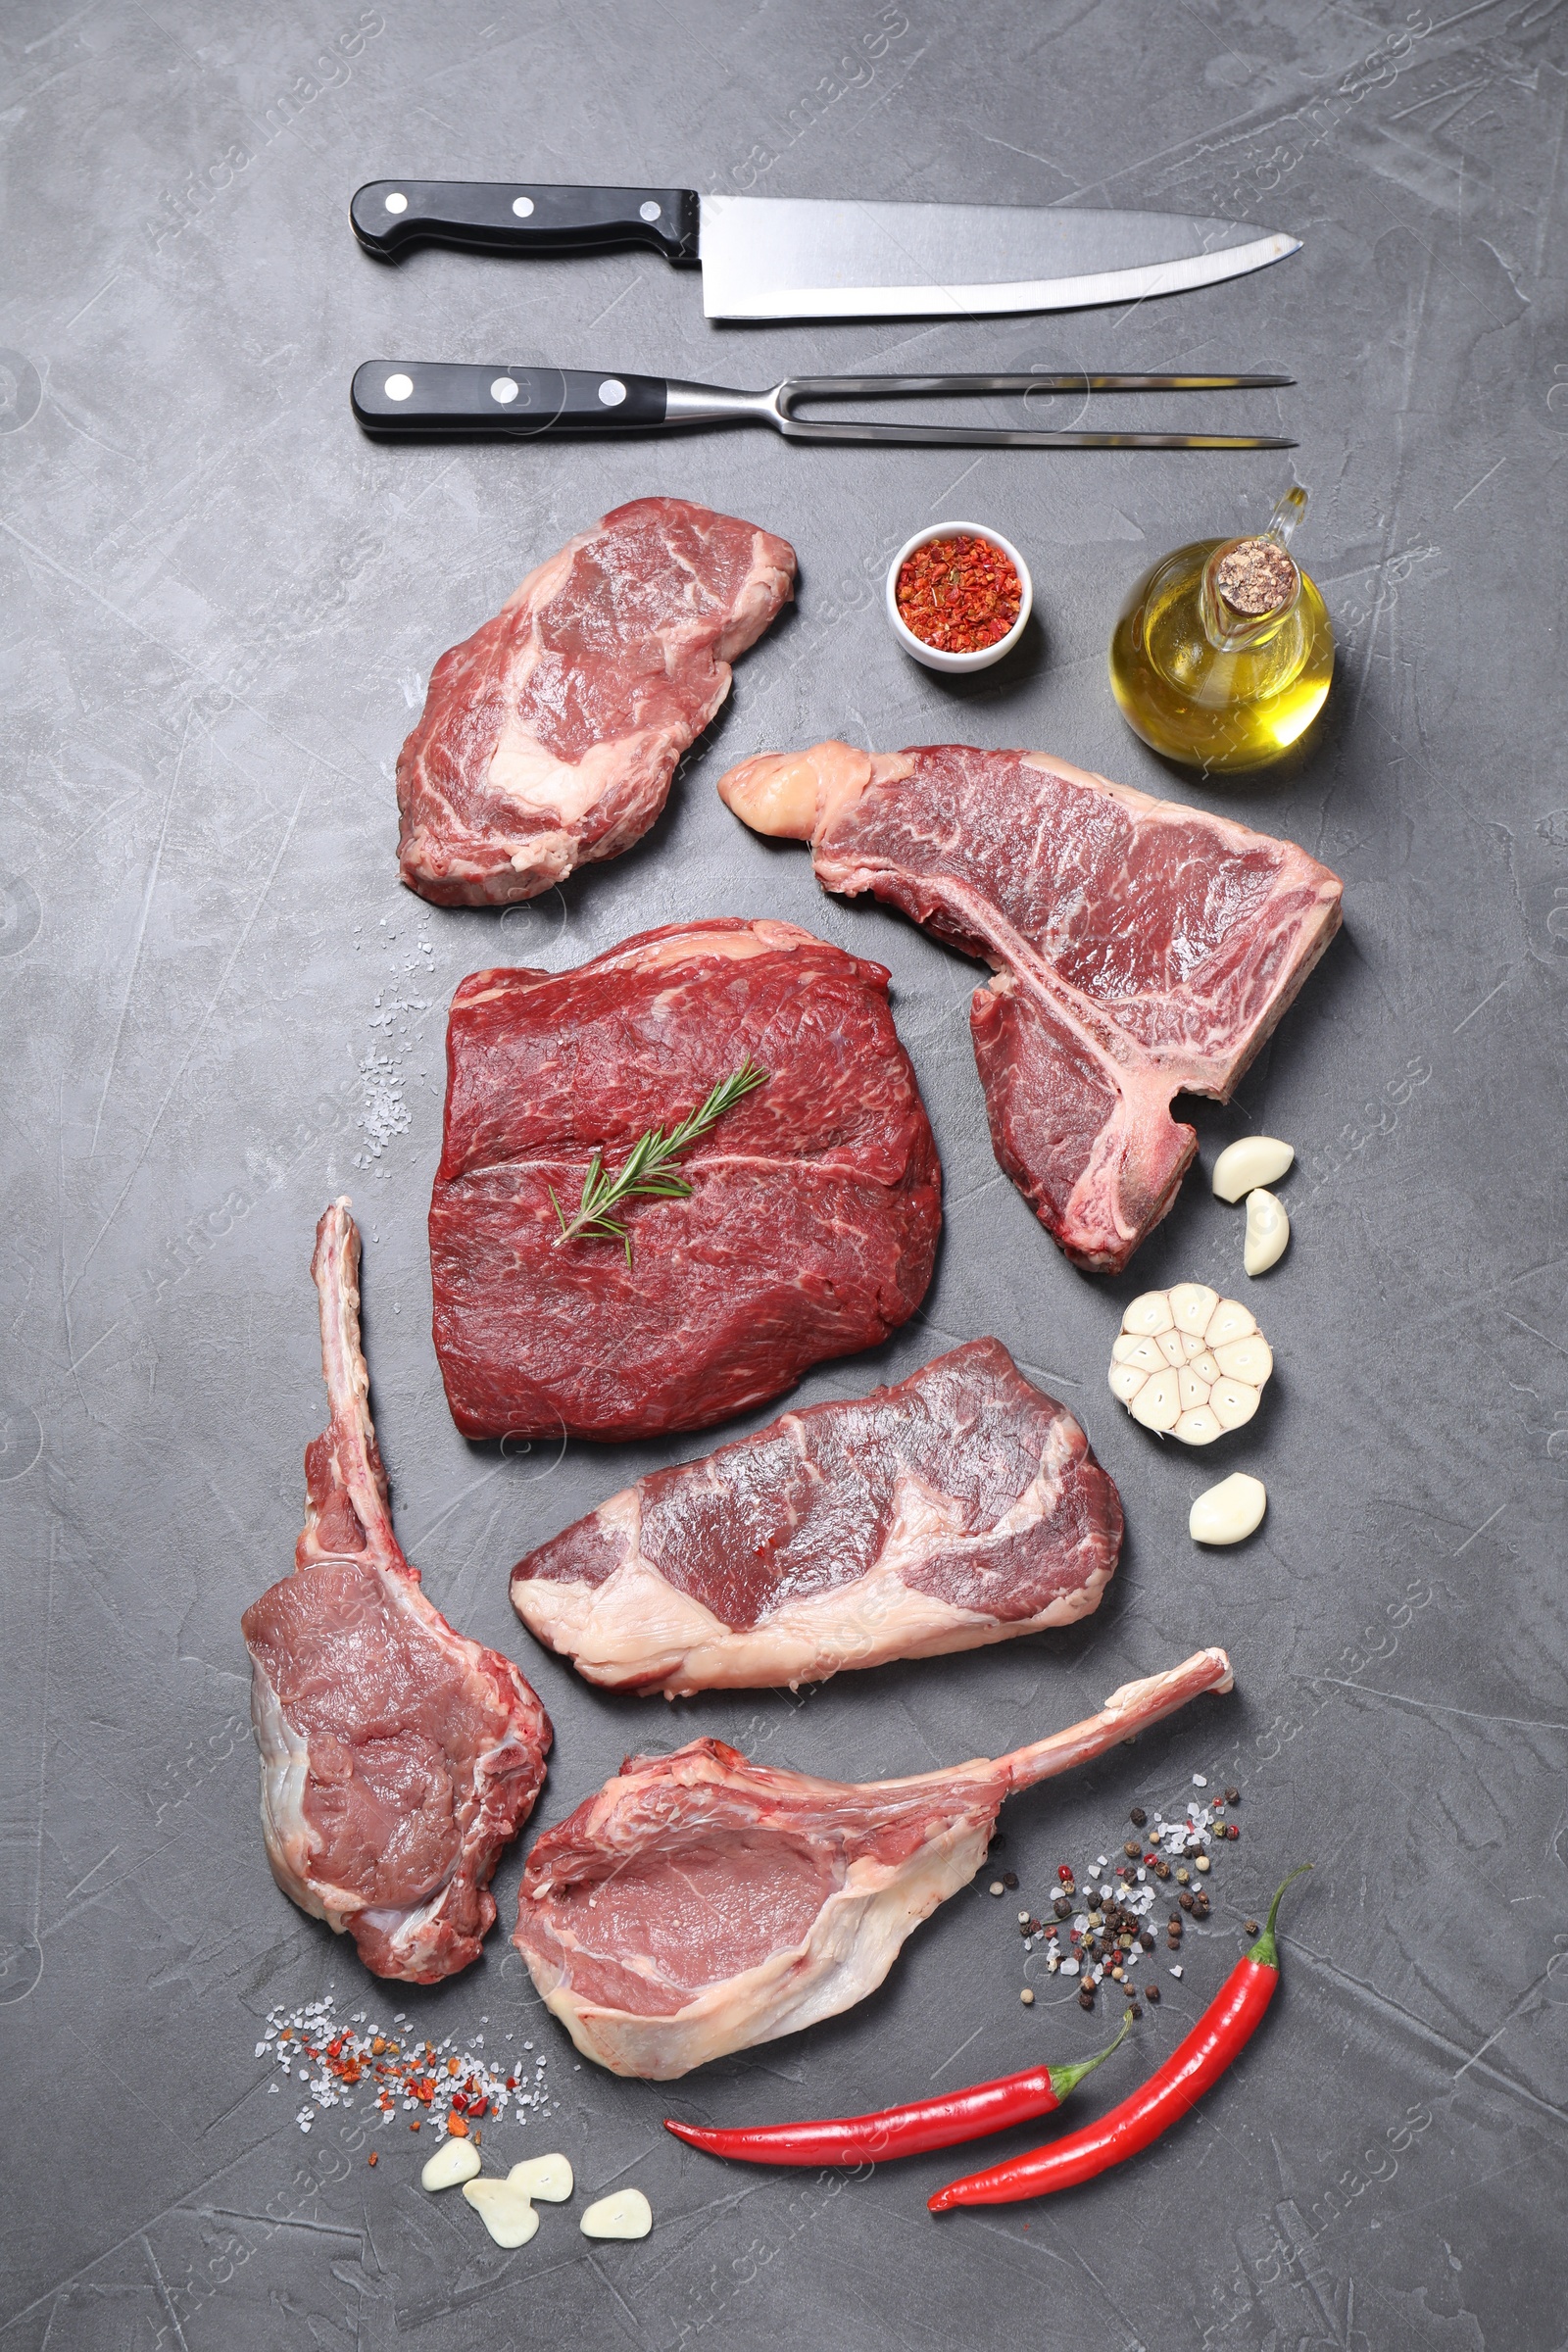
[
  {"x": 399, "y": 387},
  {"x": 612, "y": 391},
  {"x": 397, "y": 203},
  {"x": 522, "y": 206},
  {"x": 504, "y": 389},
  {"x": 649, "y": 211}
]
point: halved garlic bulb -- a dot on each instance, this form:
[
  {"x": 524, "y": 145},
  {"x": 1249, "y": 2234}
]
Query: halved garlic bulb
[{"x": 1191, "y": 1362}]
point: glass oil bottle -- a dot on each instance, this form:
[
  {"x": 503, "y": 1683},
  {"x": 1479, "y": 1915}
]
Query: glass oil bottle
[{"x": 1222, "y": 654}]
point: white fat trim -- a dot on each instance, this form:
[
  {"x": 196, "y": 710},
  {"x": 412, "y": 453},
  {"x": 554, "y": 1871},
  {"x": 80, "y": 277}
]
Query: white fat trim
[{"x": 286, "y": 1832}]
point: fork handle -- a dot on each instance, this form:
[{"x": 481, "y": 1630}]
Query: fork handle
[{"x": 430, "y": 396}]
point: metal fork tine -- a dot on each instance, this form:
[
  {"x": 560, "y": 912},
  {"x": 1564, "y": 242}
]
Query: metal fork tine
[
  {"x": 963, "y": 436},
  {"x": 895, "y": 387}
]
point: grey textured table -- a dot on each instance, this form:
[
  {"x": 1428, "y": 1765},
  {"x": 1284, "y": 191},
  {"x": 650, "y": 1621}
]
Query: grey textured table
[{"x": 219, "y": 606}]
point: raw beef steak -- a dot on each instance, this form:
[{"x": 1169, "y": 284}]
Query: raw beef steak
[
  {"x": 550, "y": 737},
  {"x": 700, "y": 1903},
  {"x": 958, "y": 1508},
  {"x": 398, "y": 1757},
  {"x": 1140, "y": 950},
  {"x": 811, "y": 1229}
]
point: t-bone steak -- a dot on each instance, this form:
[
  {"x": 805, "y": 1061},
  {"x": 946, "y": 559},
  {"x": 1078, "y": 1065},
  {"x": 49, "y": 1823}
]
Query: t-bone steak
[
  {"x": 958, "y": 1508},
  {"x": 550, "y": 737},
  {"x": 1139, "y": 949},
  {"x": 812, "y": 1224},
  {"x": 398, "y": 1757},
  {"x": 700, "y": 1904}
]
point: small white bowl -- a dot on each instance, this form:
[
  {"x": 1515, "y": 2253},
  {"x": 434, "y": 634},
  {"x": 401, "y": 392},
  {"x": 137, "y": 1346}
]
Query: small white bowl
[{"x": 930, "y": 656}]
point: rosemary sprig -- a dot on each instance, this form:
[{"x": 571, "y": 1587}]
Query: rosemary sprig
[{"x": 646, "y": 1172}]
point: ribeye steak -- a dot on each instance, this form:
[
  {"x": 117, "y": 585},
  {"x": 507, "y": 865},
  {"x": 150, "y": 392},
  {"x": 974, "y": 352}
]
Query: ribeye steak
[
  {"x": 398, "y": 1757},
  {"x": 812, "y": 1225},
  {"x": 958, "y": 1508},
  {"x": 1139, "y": 949},
  {"x": 550, "y": 736},
  {"x": 700, "y": 1903}
]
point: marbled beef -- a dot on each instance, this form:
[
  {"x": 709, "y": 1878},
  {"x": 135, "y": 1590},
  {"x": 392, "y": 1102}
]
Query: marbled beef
[
  {"x": 1139, "y": 947},
  {"x": 550, "y": 736},
  {"x": 958, "y": 1508},
  {"x": 700, "y": 1903},
  {"x": 398, "y": 1757},
  {"x": 811, "y": 1229}
]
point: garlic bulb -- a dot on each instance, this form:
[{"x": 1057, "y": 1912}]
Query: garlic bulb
[{"x": 1191, "y": 1362}]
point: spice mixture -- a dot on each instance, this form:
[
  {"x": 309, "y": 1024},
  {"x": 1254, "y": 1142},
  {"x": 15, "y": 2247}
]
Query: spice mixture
[
  {"x": 1102, "y": 1935},
  {"x": 395, "y": 2070},
  {"x": 958, "y": 595}
]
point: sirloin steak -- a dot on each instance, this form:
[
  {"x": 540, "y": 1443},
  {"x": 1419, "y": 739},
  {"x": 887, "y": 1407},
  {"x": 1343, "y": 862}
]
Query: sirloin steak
[
  {"x": 550, "y": 737},
  {"x": 700, "y": 1903},
  {"x": 1139, "y": 947},
  {"x": 398, "y": 1757},
  {"x": 811, "y": 1229},
  {"x": 958, "y": 1508}
]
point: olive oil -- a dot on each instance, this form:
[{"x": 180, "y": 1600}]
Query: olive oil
[{"x": 1222, "y": 654}]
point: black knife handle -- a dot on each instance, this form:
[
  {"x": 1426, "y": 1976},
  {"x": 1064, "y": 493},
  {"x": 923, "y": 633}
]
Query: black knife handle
[
  {"x": 516, "y": 217},
  {"x": 431, "y": 396}
]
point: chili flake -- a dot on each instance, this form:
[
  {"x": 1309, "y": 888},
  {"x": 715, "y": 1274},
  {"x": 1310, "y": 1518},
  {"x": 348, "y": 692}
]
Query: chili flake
[{"x": 958, "y": 595}]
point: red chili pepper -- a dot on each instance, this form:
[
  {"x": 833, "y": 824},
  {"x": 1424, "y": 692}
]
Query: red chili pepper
[
  {"x": 1220, "y": 2035},
  {"x": 903, "y": 2131}
]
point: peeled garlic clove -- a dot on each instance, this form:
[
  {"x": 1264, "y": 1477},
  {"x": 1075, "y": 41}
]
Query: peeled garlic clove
[
  {"x": 545, "y": 2176},
  {"x": 455, "y": 2160},
  {"x": 1218, "y": 1361},
  {"x": 1192, "y": 1303},
  {"x": 1268, "y": 1231},
  {"x": 1230, "y": 1511},
  {"x": 624, "y": 2213},
  {"x": 1157, "y": 1404},
  {"x": 1242, "y": 1166},
  {"x": 510, "y": 2218}
]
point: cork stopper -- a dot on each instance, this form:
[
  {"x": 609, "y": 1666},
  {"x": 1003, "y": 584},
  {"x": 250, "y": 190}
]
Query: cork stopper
[{"x": 1256, "y": 577}]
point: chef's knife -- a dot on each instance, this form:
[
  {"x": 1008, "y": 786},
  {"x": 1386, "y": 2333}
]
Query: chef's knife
[{"x": 791, "y": 257}]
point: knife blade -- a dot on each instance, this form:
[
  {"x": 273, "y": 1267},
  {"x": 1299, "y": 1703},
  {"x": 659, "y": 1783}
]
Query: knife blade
[{"x": 789, "y": 257}]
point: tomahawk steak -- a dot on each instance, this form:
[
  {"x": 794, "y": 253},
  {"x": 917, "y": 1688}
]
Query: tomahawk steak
[
  {"x": 398, "y": 1757},
  {"x": 958, "y": 1508},
  {"x": 1139, "y": 949},
  {"x": 700, "y": 1903},
  {"x": 550, "y": 737},
  {"x": 813, "y": 1223}
]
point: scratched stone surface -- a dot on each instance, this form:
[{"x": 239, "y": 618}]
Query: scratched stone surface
[{"x": 219, "y": 607}]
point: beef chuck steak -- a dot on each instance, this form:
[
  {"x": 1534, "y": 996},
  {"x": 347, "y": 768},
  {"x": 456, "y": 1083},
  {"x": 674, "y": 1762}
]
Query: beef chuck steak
[{"x": 811, "y": 1229}]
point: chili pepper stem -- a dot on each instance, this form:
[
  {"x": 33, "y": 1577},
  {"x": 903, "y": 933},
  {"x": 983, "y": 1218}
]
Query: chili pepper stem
[
  {"x": 1265, "y": 1952},
  {"x": 1064, "y": 2079}
]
